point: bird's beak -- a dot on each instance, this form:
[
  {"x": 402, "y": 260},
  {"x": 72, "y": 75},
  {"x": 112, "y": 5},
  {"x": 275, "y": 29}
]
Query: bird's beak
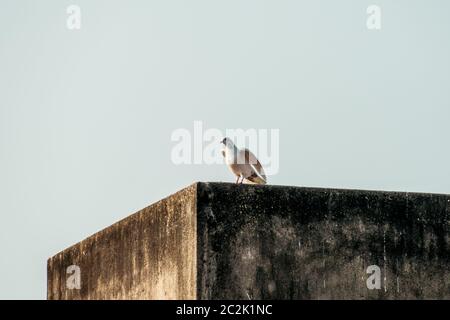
[{"x": 222, "y": 142}]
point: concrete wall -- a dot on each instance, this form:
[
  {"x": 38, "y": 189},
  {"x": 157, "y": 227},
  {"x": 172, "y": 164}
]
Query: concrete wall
[
  {"x": 149, "y": 255},
  {"x": 275, "y": 242},
  {"x": 217, "y": 240}
]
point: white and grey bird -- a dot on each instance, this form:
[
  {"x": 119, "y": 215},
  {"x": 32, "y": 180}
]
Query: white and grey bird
[{"x": 243, "y": 163}]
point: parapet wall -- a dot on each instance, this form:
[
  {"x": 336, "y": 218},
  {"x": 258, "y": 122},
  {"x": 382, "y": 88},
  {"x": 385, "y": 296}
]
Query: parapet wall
[{"x": 227, "y": 241}]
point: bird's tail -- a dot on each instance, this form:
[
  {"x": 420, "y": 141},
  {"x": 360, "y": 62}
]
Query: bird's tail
[
  {"x": 257, "y": 179},
  {"x": 260, "y": 180}
]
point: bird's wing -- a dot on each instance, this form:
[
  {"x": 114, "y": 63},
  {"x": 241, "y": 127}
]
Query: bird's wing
[{"x": 254, "y": 162}]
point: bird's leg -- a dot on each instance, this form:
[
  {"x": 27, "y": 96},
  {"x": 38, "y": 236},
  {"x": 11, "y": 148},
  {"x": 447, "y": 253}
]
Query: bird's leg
[
  {"x": 242, "y": 179},
  {"x": 237, "y": 179}
]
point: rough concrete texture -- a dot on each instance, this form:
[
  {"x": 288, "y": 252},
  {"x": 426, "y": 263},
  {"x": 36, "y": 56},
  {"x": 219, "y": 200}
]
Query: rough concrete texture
[
  {"x": 274, "y": 242},
  {"x": 217, "y": 240},
  {"x": 149, "y": 255}
]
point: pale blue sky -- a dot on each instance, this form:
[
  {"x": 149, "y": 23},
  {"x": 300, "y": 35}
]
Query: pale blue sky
[{"x": 86, "y": 116}]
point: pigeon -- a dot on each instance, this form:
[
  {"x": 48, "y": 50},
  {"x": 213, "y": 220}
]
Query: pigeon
[{"x": 243, "y": 163}]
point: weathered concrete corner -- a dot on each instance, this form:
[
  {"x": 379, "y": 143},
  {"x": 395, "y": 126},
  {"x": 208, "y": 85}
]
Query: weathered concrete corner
[
  {"x": 219, "y": 240},
  {"x": 148, "y": 255}
]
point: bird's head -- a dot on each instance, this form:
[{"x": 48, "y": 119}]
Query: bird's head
[{"x": 227, "y": 142}]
